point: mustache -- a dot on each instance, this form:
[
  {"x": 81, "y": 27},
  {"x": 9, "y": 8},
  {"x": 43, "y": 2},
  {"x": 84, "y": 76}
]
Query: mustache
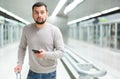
[{"x": 42, "y": 22}]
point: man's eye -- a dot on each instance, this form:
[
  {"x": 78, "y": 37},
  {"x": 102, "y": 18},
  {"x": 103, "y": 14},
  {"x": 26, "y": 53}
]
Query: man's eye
[{"x": 36, "y": 13}]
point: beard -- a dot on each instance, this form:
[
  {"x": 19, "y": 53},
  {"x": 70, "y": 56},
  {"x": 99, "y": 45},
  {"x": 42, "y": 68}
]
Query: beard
[{"x": 42, "y": 22}]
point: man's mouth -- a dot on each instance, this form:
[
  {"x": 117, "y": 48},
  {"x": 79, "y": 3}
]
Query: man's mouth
[{"x": 39, "y": 19}]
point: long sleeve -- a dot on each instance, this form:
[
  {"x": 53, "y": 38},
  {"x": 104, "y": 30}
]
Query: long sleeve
[
  {"x": 58, "y": 45},
  {"x": 22, "y": 48}
]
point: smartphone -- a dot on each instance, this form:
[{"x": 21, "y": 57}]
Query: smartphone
[{"x": 36, "y": 51}]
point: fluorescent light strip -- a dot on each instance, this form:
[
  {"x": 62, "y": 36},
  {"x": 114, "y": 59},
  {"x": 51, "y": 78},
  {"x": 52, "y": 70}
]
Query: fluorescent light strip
[
  {"x": 110, "y": 10},
  {"x": 59, "y": 6},
  {"x": 13, "y": 15},
  {"x": 72, "y": 6},
  {"x": 93, "y": 15},
  {"x": 78, "y": 20}
]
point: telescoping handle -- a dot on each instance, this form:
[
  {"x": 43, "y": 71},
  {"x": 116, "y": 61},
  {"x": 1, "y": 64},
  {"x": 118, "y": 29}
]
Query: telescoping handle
[{"x": 18, "y": 75}]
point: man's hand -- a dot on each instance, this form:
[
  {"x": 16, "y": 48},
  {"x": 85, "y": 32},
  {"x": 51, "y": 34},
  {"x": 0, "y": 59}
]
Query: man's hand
[
  {"x": 18, "y": 68},
  {"x": 41, "y": 54}
]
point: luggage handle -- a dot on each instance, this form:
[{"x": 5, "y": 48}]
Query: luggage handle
[{"x": 18, "y": 75}]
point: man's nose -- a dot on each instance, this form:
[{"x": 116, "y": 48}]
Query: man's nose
[{"x": 39, "y": 14}]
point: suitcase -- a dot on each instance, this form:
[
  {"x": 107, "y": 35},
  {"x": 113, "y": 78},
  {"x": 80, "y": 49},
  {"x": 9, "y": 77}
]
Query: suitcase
[{"x": 18, "y": 75}]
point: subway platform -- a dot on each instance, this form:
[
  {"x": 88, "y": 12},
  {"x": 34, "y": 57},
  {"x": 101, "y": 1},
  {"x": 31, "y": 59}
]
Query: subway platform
[
  {"x": 8, "y": 59},
  {"x": 107, "y": 58}
]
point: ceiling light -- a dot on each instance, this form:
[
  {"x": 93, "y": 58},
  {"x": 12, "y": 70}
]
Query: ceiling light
[
  {"x": 110, "y": 10},
  {"x": 13, "y": 15},
  {"x": 78, "y": 20},
  {"x": 93, "y": 15},
  {"x": 58, "y": 7},
  {"x": 72, "y": 6}
]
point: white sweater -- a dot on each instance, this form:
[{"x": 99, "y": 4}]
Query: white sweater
[{"x": 48, "y": 38}]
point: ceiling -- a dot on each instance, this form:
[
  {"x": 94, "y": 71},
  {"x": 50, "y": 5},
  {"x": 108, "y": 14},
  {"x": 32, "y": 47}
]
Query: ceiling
[
  {"x": 52, "y": 5},
  {"x": 22, "y": 8}
]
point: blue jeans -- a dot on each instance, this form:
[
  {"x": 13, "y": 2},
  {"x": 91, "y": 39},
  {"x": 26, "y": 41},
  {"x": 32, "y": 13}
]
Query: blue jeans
[{"x": 33, "y": 75}]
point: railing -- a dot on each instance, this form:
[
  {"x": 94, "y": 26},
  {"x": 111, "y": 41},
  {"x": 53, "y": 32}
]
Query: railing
[{"x": 79, "y": 67}]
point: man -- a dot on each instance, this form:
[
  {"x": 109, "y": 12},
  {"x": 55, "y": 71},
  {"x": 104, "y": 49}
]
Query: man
[{"x": 44, "y": 37}]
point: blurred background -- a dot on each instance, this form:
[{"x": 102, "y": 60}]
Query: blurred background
[{"x": 90, "y": 27}]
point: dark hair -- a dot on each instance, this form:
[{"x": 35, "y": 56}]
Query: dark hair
[{"x": 39, "y": 4}]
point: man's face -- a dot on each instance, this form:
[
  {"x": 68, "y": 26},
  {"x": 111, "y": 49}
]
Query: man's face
[{"x": 40, "y": 14}]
